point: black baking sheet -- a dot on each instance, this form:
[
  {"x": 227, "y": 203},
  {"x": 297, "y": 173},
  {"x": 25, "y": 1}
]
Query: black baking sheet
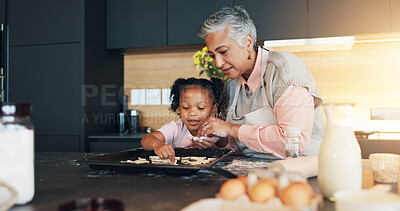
[{"x": 112, "y": 161}]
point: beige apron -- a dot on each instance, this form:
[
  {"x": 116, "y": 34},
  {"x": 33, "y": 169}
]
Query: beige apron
[{"x": 263, "y": 115}]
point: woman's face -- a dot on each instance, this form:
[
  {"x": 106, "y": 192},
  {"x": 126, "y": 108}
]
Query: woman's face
[
  {"x": 228, "y": 56},
  {"x": 195, "y": 107}
]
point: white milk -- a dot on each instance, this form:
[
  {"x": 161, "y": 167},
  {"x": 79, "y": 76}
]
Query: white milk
[
  {"x": 17, "y": 162},
  {"x": 340, "y": 165}
]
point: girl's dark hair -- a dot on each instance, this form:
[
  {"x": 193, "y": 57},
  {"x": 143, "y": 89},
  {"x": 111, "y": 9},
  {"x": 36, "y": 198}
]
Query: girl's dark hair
[{"x": 215, "y": 86}]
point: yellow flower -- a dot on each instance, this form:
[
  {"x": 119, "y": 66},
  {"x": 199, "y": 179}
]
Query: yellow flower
[
  {"x": 197, "y": 54},
  {"x": 204, "y": 64}
]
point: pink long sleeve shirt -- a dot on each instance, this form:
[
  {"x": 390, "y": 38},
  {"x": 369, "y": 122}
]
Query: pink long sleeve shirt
[
  {"x": 289, "y": 110},
  {"x": 271, "y": 138}
]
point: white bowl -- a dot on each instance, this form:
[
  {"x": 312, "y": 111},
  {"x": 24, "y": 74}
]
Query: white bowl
[{"x": 366, "y": 200}]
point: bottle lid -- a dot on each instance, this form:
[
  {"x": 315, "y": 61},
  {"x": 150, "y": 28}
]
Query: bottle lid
[
  {"x": 133, "y": 112},
  {"x": 293, "y": 130},
  {"x": 15, "y": 109}
]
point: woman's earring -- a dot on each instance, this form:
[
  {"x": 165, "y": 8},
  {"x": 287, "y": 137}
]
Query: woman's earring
[{"x": 249, "y": 57}]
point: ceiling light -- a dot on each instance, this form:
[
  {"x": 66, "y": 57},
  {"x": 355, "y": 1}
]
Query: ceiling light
[{"x": 311, "y": 44}]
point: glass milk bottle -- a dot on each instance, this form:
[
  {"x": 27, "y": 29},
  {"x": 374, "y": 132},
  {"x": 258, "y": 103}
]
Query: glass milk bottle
[
  {"x": 339, "y": 160},
  {"x": 16, "y": 149}
]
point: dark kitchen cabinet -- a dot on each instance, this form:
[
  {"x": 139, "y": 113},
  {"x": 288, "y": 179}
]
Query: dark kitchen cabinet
[
  {"x": 274, "y": 19},
  {"x": 161, "y": 23},
  {"x": 3, "y": 50},
  {"x": 66, "y": 72},
  {"x": 185, "y": 17},
  {"x": 395, "y": 15},
  {"x": 45, "y": 21},
  {"x": 2, "y": 11},
  {"x": 49, "y": 77},
  {"x": 348, "y": 17},
  {"x": 136, "y": 23}
]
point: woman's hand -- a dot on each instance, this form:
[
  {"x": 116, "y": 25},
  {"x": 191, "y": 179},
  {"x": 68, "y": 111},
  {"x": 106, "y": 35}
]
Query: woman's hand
[
  {"x": 204, "y": 142},
  {"x": 218, "y": 127},
  {"x": 164, "y": 151}
]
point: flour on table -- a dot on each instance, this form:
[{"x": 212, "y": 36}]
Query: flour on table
[
  {"x": 242, "y": 167},
  {"x": 189, "y": 160}
]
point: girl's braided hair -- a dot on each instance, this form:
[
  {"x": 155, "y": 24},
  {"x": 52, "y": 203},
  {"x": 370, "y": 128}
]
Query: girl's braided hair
[{"x": 215, "y": 87}]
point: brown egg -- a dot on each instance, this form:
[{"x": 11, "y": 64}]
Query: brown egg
[
  {"x": 263, "y": 191},
  {"x": 296, "y": 194},
  {"x": 244, "y": 180},
  {"x": 231, "y": 189},
  {"x": 271, "y": 180}
]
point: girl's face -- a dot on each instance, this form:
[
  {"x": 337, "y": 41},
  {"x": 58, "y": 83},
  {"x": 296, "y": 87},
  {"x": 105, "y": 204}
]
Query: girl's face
[
  {"x": 195, "y": 107},
  {"x": 228, "y": 55}
]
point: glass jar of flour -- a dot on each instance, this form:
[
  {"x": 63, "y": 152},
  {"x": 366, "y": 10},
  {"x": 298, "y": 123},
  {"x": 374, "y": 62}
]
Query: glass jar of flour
[{"x": 17, "y": 149}]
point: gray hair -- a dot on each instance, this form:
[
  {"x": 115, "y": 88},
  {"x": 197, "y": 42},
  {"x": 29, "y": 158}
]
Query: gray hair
[{"x": 236, "y": 19}]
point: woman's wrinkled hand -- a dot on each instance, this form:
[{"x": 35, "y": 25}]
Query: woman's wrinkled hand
[
  {"x": 218, "y": 127},
  {"x": 165, "y": 151},
  {"x": 204, "y": 142}
]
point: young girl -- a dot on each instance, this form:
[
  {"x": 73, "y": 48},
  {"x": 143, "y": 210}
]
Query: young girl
[{"x": 194, "y": 100}]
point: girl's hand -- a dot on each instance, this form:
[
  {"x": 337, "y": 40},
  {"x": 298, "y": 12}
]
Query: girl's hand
[
  {"x": 218, "y": 127},
  {"x": 165, "y": 151}
]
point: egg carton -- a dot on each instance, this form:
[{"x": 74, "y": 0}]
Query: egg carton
[
  {"x": 250, "y": 200},
  {"x": 243, "y": 203}
]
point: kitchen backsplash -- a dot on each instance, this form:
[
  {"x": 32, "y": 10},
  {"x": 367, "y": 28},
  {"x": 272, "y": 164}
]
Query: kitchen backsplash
[
  {"x": 156, "y": 71},
  {"x": 367, "y": 75}
]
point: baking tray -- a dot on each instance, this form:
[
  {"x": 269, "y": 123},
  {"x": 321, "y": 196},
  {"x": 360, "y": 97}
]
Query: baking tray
[{"x": 112, "y": 161}]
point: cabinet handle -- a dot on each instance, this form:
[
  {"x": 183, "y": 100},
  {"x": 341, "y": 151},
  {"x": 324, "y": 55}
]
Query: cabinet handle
[{"x": 2, "y": 49}]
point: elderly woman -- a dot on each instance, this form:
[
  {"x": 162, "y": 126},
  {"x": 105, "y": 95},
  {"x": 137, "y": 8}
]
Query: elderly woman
[{"x": 269, "y": 91}]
